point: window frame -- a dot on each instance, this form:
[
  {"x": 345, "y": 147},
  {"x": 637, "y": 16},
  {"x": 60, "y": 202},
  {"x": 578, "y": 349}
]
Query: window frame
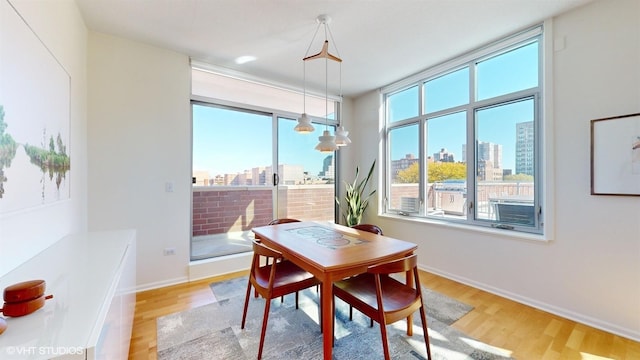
[{"x": 470, "y": 61}]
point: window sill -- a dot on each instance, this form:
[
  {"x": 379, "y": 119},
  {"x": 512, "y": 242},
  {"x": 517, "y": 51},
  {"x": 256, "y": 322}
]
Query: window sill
[{"x": 510, "y": 234}]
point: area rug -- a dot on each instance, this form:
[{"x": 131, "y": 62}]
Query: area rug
[{"x": 213, "y": 331}]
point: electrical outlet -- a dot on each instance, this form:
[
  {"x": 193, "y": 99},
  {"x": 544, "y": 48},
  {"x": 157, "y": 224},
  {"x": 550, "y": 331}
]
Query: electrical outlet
[
  {"x": 169, "y": 251},
  {"x": 168, "y": 186}
]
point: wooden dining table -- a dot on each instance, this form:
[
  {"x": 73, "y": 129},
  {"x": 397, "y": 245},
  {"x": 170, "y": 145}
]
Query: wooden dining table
[{"x": 331, "y": 252}]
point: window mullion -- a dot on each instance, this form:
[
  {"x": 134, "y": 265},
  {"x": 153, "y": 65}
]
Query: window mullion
[{"x": 471, "y": 145}]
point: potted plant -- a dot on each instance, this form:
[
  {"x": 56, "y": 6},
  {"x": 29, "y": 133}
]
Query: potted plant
[{"x": 355, "y": 199}]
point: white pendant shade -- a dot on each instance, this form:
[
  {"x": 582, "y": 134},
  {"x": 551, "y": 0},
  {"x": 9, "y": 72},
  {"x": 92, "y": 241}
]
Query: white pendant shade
[
  {"x": 327, "y": 143},
  {"x": 342, "y": 136},
  {"x": 304, "y": 125}
]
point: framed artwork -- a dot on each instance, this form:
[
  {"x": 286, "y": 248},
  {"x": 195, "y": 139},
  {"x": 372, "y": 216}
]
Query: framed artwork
[
  {"x": 615, "y": 155},
  {"x": 35, "y": 92}
]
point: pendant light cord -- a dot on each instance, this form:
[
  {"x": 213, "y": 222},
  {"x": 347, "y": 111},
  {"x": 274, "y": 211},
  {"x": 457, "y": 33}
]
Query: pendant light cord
[{"x": 326, "y": 84}]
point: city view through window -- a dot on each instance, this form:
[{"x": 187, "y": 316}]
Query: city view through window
[
  {"x": 219, "y": 158},
  {"x": 233, "y": 177},
  {"x": 501, "y": 120}
]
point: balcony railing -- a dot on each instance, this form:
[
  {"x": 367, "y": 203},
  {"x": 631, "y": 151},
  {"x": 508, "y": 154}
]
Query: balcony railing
[{"x": 223, "y": 216}]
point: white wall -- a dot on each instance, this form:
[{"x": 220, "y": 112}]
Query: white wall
[
  {"x": 139, "y": 135},
  {"x": 24, "y": 234},
  {"x": 590, "y": 271}
]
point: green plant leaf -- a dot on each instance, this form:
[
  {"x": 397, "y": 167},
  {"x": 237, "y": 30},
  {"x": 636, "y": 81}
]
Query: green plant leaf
[{"x": 355, "y": 202}]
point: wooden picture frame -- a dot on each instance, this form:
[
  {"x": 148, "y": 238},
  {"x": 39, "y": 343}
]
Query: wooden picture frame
[{"x": 615, "y": 155}]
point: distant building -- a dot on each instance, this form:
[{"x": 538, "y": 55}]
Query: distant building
[
  {"x": 486, "y": 151},
  {"x": 401, "y": 164},
  {"x": 258, "y": 176},
  {"x": 328, "y": 168},
  {"x": 202, "y": 178},
  {"x": 218, "y": 180},
  {"x": 443, "y": 156},
  {"x": 489, "y": 161},
  {"x": 231, "y": 179},
  {"x": 287, "y": 174},
  {"x": 524, "y": 148},
  {"x": 490, "y": 152},
  {"x": 487, "y": 172}
]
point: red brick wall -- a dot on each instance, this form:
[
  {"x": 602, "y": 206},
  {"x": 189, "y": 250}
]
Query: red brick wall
[
  {"x": 314, "y": 202},
  {"x": 220, "y": 209}
]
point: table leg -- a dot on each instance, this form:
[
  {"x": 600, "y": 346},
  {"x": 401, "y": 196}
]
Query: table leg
[{"x": 327, "y": 319}]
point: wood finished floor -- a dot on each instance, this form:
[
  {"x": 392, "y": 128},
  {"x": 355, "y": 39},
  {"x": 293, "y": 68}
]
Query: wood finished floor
[{"x": 527, "y": 333}]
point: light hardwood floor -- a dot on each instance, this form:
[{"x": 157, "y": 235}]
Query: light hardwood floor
[{"x": 527, "y": 333}]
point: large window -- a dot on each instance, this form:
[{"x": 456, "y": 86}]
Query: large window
[
  {"x": 463, "y": 140},
  {"x": 249, "y": 166}
]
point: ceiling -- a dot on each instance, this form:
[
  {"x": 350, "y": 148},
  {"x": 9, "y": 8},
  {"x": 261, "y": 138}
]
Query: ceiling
[{"x": 379, "y": 41}]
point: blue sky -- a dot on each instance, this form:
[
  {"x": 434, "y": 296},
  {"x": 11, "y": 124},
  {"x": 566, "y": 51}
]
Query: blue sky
[{"x": 227, "y": 142}]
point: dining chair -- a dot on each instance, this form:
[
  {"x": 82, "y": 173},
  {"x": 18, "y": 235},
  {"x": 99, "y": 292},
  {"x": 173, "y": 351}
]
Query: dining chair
[
  {"x": 385, "y": 299},
  {"x": 276, "y": 222},
  {"x": 372, "y": 228},
  {"x": 282, "y": 221},
  {"x": 369, "y": 228},
  {"x": 280, "y": 278}
]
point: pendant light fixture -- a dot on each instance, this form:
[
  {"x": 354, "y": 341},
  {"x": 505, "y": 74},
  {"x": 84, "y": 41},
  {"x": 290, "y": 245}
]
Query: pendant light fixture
[
  {"x": 328, "y": 142},
  {"x": 304, "y": 121}
]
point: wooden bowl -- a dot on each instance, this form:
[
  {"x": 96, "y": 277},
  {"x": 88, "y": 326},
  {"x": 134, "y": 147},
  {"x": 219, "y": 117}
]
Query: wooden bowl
[
  {"x": 24, "y": 298},
  {"x": 23, "y": 308},
  {"x": 24, "y": 291}
]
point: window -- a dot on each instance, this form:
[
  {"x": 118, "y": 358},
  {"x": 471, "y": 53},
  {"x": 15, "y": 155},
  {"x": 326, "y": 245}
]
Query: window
[
  {"x": 463, "y": 141},
  {"x": 249, "y": 166}
]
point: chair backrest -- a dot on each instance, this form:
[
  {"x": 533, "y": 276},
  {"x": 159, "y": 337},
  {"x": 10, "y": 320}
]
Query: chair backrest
[
  {"x": 369, "y": 228},
  {"x": 282, "y": 221},
  {"x": 259, "y": 249},
  {"x": 396, "y": 266},
  {"x": 263, "y": 250}
]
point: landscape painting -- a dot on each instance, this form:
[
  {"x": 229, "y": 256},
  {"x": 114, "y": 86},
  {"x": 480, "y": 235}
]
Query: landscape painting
[
  {"x": 34, "y": 118},
  {"x": 615, "y": 155}
]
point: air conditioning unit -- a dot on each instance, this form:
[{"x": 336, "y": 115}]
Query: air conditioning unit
[{"x": 410, "y": 204}]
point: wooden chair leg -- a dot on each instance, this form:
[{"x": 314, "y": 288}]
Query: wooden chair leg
[
  {"x": 246, "y": 304},
  {"x": 265, "y": 317},
  {"x": 333, "y": 318},
  {"x": 423, "y": 317},
  {"x": 351, "y": 316},
  {"x": 385, "y": 343}
]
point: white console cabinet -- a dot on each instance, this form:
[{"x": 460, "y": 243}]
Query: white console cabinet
[{"x": 92, "y": 278}]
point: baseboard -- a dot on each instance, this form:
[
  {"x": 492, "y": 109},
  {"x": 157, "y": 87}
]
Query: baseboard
[
  {"x": 161, "y": 284},
  {"x": 559, "y": 311},
  {"x": 222, "y": 265},
  {"x": 202, "y": 269}
]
